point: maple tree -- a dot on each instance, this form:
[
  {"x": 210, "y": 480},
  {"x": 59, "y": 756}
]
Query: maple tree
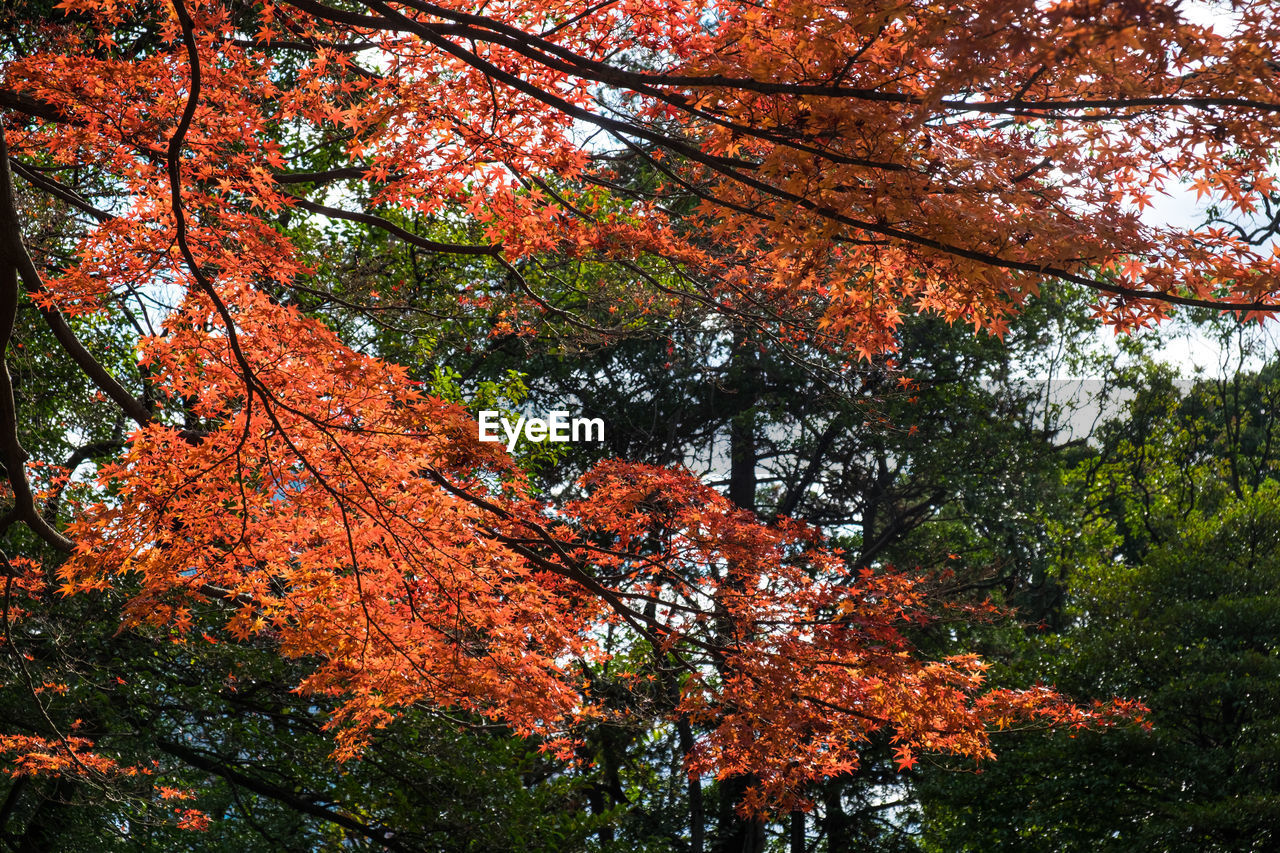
[{"x": 812, "y": 172}]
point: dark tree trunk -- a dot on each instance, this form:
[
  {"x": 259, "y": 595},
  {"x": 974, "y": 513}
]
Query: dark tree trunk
[
  {"x": 43, "y": 829},
  {"x": 735, "y": 834},
  {"x": 697, "y": 814},
  {"x": 797, "y": 831}
]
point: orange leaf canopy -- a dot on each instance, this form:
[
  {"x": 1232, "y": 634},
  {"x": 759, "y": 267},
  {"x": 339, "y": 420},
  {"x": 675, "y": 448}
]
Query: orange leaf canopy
[{"x": 849, "y": 163}]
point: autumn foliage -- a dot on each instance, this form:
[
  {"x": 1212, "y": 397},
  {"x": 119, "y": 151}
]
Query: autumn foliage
[{"x": 843, "y": 165}]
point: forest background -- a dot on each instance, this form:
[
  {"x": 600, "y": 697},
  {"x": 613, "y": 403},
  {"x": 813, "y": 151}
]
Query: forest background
[{"x": 830, "y": 275}]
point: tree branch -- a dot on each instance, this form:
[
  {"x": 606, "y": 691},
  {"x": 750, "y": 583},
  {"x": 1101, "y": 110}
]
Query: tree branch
[
  {"x": 295, "y": 801},
  {"x": 12, "y": 453}
]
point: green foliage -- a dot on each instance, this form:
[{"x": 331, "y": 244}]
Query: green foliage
[
  {"x": 1174, "y": 564},
  {"x": 222, "y": 721}
]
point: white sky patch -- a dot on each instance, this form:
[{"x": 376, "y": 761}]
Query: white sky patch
[{"x": 1217, "y": 16}]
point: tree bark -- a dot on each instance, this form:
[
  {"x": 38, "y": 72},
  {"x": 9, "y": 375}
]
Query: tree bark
[{"x": 736, "y": 834}]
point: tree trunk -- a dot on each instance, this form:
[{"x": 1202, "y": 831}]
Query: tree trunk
[
  {"x": 797, "y": 831},
  {"x": 43, "y": 829},
  {"x": 697, "y": 814},
  {"x": 735, "y": 834}
]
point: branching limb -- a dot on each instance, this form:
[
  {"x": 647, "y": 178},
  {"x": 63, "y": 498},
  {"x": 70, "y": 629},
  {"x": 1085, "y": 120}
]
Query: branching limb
[{"x": 12, "y": 453}]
